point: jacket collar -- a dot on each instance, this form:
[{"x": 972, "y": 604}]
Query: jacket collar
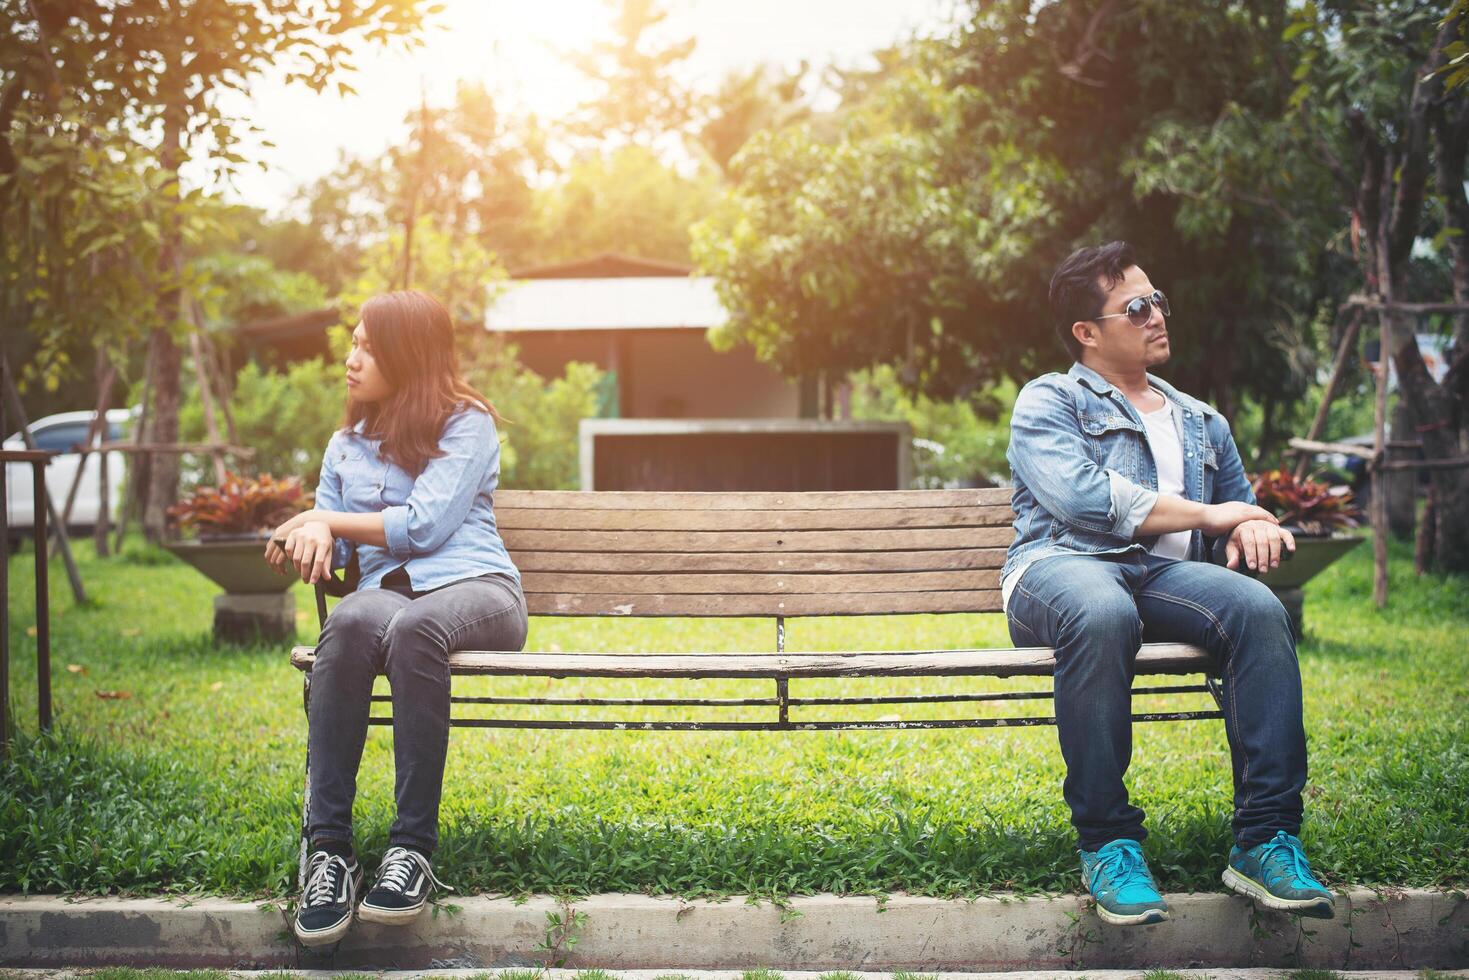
[{"x": 1103, "y": 387}]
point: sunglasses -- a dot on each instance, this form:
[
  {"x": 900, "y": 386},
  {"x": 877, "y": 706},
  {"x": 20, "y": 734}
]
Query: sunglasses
[{"x": 1140, "y": 310}]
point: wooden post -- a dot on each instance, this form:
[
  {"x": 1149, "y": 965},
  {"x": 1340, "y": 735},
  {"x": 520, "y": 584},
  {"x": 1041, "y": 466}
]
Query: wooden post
[
  {"x": 1427, "y": 530},
  {"x": 1379, "y": 454},
  {"x": 135, "y": 477},
  {"x": 12, "y": 396},
  {"x": 210, "y": 427},
  {"x": 96, "y": 435},
  {"x": 43, "y": 596},
  {"x": 1338, "y": 368},
  {"x": 4, "y": 605}
]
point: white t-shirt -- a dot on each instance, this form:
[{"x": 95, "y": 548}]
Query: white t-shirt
[{"x": 1168, "y": 455}]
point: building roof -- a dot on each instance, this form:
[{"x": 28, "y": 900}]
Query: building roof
[
  {"x": 602, "y": 303},
  {"x": 607, "y": 265}
]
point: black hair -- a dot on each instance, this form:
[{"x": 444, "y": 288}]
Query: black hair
[{"x": 1076, "y": 289}]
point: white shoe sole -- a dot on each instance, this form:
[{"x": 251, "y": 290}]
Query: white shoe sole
[
  {"x": 1150, "y": 917},
  {"x": 388, "y": 917},
  {"x": 323, "y": 937},
  {"x": 1253, "y": 889}
]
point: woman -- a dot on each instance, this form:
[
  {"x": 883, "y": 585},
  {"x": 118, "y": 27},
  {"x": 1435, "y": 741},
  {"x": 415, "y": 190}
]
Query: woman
[{"x": 407, "y": 486}]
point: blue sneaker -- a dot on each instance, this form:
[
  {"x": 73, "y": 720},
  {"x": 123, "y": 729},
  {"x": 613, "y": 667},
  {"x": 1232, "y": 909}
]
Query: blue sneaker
[
  {"x": 1276, "y": 875},
  {"x": 1118, "y": 878}
]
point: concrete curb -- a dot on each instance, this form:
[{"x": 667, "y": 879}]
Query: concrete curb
[
  {"x": 1406, "y": 929},
  {"x": 566, "y": 974}
]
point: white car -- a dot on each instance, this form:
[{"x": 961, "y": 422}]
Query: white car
[{"x": 63, "y": 433}]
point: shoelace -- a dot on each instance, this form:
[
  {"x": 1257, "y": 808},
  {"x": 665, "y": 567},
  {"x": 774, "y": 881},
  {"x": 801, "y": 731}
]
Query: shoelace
[
  {"x": 322, "y": 879},
  {"x": 1281, "y": 856},
  {"x": 398, "y": 865},
  {"x": 1124, "y": 866}
]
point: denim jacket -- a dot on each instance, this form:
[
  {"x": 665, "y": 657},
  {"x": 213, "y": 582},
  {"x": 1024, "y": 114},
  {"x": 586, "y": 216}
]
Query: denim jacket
[
  {"x": 1084, "y": 475},
  {"x": 440, "y": 525}
]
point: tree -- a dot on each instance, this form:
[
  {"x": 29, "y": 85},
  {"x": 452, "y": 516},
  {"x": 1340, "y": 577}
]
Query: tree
[
  {"x": 746, "y": 103},
  {"x": 641, "y": 99},
  {"x": 624, "y": 201},
  {"x": 468, "y": 168},
  {"x": 111, "y": 71},
  {"x": 460, "y": 274},
  {"x": 1375, "y": 95},
  {"x": 924, "y": 234}
]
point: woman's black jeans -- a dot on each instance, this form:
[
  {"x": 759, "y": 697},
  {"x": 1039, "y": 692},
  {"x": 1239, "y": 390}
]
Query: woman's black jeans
[{"x": 408, "y": 636}]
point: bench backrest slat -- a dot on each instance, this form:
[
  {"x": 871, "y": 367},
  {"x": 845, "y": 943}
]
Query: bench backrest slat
[
  {"x": 939, "y": 559},
  {"x": 757, "y": 583},
  {"x": 874, "y": 539},
  {"x": 757, "y": 554},
  {"x": 753, "y": 500},
  {"x": 825, "y": 604}
]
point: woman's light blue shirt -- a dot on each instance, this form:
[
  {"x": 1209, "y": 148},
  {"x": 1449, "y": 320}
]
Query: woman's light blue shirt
[{"x": 440, "y": 525}]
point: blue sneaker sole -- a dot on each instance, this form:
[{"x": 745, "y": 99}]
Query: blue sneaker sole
[
  {"x": 1316, "y": 908},
  {"x": 1145, "y": 918}
]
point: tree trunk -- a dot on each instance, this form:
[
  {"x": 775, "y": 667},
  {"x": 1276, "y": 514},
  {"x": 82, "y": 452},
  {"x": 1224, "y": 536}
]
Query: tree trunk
[
  {"x": 1389, "y": 199},
  {"x": 163, "y": 354},
  {"x": 1450, "y": 133},
  {"x": 1401, "y": 485}
]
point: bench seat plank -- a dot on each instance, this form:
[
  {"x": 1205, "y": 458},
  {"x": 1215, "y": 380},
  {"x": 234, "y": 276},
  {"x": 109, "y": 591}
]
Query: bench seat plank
[{"x": 1153, "y": 658}]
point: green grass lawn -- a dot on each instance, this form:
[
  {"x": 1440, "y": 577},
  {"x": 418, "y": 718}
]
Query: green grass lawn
[{"x": 191, "y": 780}]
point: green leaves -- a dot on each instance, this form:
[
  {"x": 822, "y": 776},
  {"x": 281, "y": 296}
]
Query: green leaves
[{"x": 93, "y": 202}]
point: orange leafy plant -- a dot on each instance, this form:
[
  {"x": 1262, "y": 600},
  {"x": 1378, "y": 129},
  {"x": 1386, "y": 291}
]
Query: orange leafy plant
[
  {"x": 241, "y": 505},
  {"x": 1308, "y": 504}
]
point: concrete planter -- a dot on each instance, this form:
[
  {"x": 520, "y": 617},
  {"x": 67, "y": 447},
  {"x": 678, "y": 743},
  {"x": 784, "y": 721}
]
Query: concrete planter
[
  {"x": 257, "y": 603},
  {"x": 1313, "y": 554}
]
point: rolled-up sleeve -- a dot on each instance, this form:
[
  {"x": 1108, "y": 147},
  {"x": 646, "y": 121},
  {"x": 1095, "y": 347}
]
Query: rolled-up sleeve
[
  {"x": 329, "y": 497},
  {"x": 444, "y": 492},
  {"x": 1050, "y": 454}
]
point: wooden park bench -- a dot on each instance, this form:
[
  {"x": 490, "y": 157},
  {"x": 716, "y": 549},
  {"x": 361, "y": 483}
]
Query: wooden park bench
[{"x": 776, "y": 555}]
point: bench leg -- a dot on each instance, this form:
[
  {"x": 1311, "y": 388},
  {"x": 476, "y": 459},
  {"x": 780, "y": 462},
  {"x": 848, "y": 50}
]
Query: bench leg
[
  {"x": 306, "y": 788},
  {"x": 1216, "y": 690}
]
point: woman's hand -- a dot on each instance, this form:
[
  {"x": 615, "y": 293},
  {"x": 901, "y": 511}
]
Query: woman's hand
[
  {"x": 273, "y": 552},
  {"x": 308, "y": 547}
]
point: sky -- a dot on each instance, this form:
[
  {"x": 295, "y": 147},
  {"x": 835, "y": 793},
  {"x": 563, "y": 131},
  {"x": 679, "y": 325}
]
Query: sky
[{"x": 512, "y": 45}]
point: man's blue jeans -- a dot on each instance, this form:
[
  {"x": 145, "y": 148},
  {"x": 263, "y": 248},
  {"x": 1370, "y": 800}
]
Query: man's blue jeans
[{"x": 1095, "y": 610}]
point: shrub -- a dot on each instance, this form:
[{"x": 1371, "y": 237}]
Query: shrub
[
  {"x": 287, "y": 417},
  {"x": 539, "y": 440},
  {"x": 241, "y": 505},
  {"x": 1311, "y": 505}
]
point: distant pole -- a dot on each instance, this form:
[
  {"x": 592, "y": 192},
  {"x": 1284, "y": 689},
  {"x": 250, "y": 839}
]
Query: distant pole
[
  {"x": 412, "y": 216},
  {"x": 1379, "y": 456}
]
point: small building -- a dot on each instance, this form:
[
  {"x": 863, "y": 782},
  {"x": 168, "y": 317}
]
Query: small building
[{"x": 646, "y": 324}]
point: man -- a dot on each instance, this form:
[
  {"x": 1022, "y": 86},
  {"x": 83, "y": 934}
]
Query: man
[{"x": 1118, "y": 479}]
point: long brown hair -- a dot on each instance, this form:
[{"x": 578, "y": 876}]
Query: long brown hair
[{"x": 412, "y": 338}]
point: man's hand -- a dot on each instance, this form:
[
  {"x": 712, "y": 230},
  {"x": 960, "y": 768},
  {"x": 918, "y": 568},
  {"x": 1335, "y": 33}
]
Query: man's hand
[
  {"x": 1259, "y": 543},
  {"x": 1222, "y": 519}
]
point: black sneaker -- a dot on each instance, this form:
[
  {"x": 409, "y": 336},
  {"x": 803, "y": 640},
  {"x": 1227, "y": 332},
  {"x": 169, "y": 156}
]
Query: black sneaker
[
  {"x": 404, "y": 882},
  {"x": 325, "y": 912}
]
